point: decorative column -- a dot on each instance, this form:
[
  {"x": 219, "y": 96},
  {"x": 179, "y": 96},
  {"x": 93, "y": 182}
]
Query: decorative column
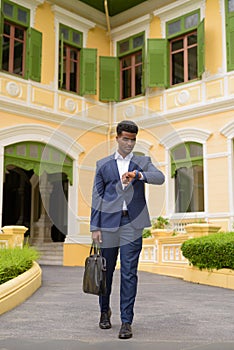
[
  {"x": 42, "y": 228},
  {"x": 21, "y": 192}
]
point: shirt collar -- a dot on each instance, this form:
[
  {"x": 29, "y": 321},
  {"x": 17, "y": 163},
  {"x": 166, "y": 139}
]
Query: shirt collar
[{"x": 128, "y": 156}]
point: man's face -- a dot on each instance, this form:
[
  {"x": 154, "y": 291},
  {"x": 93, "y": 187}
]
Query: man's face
[{"x": 126, "y": 142}]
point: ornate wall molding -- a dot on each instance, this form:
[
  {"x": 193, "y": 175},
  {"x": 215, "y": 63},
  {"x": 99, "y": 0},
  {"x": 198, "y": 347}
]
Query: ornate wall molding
[
  {"x": 13, "y": 89},
  {"x": 184, "y": 135},
  {"x": 71, "y": 105},
  {"x": 228, "y": 130},
  {"x": 183, "y": 97}
]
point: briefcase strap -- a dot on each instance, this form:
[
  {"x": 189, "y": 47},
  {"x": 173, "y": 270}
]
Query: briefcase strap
[{"x": 95, "y": 247}]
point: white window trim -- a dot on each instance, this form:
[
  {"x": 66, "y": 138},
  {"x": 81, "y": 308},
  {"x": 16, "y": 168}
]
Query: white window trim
[
  {"x": 132, "y": 28},
  {"x": 178, "y": 9},
  {"x": 172, "y": 140},
  {"x": 71, "y": 20}
]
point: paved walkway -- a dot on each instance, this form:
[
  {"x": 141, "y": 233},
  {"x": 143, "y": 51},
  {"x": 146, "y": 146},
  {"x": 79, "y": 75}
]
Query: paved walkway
[{"x": 170, "y": 314}]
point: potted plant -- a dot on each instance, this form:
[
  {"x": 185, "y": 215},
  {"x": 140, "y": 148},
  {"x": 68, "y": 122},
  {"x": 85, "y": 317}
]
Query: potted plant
[{"x": 161, "y": 227}]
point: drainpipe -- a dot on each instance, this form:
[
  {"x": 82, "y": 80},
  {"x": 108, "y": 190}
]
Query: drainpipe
[
  {"x": 107, "y": 17},
  {"x": 110, "y": 103}
]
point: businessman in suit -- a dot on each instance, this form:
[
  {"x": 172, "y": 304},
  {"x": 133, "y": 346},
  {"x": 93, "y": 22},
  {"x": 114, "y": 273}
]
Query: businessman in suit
[{"x": 118, "y": 216}]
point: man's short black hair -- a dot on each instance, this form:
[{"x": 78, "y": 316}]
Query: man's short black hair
[{"x": 128, "y": 126}]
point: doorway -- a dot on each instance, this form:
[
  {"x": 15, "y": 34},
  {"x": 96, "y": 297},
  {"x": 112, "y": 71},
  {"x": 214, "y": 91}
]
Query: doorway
[{"x": 35, "y": 190}]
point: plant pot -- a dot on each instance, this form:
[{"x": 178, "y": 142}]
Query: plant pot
[
  {"x": 203, "y": 229},
  {"x": 160, "y": 232}
]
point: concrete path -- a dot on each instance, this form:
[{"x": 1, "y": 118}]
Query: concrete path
[{"x": 170, "y": 314}]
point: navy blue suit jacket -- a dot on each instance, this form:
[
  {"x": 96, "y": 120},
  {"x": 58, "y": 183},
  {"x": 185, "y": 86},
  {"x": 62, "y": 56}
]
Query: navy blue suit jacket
[{"x": 108, "y": 195}]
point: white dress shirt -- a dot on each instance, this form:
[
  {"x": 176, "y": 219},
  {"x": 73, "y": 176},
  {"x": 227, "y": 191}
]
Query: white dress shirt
[{"x": 123, "y": 165}]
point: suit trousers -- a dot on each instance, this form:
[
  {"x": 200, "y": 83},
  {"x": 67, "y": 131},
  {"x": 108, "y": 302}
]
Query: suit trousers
[{"x": 128, "y": 242}]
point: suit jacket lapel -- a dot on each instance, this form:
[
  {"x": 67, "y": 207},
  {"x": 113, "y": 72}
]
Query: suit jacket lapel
[
  {"x": 114, "y": 166},
  {"x": 133, "y": 164}
]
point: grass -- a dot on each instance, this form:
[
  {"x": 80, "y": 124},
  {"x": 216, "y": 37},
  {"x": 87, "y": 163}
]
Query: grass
[{"x": 15, "y": 261}]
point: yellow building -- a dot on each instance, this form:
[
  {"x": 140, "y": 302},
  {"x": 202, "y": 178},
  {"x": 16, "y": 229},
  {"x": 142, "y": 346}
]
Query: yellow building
[{"x": 71, "y": 70}]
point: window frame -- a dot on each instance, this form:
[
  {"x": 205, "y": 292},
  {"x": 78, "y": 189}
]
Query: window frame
[
  {"x": 14, "y": 18},
  {"x": 14, "y": 22},
  {"x": 188, "y": 162},
  {"x": 69, "y": 44},
  {"x": 132, "y": 69},
  {"x": 159, "y": 50},
  {"x": 86, "y": 63},
  {"x": 68, "y": 61},
  {"x": 183, "y": 30},
  {"x": 32, "y": 50},
  {"x": 185, "y": 50},
  {"x": 131, "y": 52},
  {"x": 182, "y": 33},
  {"x": 12, "y": 40}
]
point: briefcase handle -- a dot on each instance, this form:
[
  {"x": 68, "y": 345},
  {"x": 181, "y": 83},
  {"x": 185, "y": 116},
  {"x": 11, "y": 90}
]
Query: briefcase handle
[{"x": 95, "y": 247}]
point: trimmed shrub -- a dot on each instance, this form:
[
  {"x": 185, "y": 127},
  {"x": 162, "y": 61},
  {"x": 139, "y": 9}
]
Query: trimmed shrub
[
  {"x": 14, "y": 261},
  {"x": 212, "y": 252}
]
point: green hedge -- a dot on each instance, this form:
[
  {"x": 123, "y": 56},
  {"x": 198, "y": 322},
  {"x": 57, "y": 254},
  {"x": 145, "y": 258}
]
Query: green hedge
[
  {"x": 15, "y": 261},
  {"x": 215, "y": 251}
]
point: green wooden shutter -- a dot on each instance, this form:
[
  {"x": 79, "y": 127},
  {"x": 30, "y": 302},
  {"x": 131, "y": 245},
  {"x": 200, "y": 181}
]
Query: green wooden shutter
[
  {"x": 230, "y": 41},
  {"x": 109, "y": 79},
  {"x": 157, "y": 63},
  {"x": 201, "y": 48},
  {"x": 61, "y": 62},
  {"x": 34, "y": 53},
  {"x": 88, "y": 71}
]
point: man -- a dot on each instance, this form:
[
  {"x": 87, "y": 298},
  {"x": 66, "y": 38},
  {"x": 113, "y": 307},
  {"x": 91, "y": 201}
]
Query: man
[{"x": 118, "y": 216}]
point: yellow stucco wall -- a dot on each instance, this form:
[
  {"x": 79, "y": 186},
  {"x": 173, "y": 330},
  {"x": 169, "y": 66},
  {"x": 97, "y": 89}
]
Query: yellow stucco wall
[
  {"x": 155, "y": 28},
  {"x": 44, "y": 22},
  {"x": 213, "y": 38},
  {"x": 75, "y": 254},
  {"x": 98, "y": 38}
]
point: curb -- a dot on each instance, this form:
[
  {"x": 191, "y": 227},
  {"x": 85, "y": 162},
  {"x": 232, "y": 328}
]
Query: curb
[{"x": 17, "y": 290}]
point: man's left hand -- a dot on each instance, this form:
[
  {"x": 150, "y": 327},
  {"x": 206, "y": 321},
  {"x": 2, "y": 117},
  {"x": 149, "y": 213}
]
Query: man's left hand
[{"x": 128, "y": 177}]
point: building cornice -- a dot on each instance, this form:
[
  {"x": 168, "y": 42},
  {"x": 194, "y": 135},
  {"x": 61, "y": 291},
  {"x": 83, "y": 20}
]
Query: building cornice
[
  {"x": 80, "y": 9},
  {"x": 133, "y": 27},
  {"x": 72, "y": 19},
  {"x": 188, "y": 113},
  {"x": 51, "y": 117}
]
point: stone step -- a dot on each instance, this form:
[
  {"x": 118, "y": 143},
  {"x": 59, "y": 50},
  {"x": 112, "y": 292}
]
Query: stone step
[{"x": 50, "y": 253}]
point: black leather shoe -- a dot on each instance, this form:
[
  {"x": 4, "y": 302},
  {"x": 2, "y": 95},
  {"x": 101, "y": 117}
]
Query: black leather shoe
[
  {"x": 125, "y": 331},
  {"x": 105, "y": 320}
]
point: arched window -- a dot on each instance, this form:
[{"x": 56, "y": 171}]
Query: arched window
[
  {"x": 187, "y": 170},
  {"x": 39, "y": 157}
]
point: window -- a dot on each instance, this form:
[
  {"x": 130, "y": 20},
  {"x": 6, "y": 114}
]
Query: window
[
  {"x": 180, "y": 57},
  {"x": 187, "y": 170},
  {"x": 183, "y": 58},
  {"x": 125, "y": 70},
  {"x": 77, "y": 66},
  {"x": 230, "y": 33},
  {"x": 16, "y": 36},
  {"x": 71, "y": 60},
  {"x": 131, "y": 75},
  {"x": 13, "y": 52}
]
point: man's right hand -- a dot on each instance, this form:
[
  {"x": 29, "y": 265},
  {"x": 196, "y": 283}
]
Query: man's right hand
[{"x": 97, "y": 236}]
